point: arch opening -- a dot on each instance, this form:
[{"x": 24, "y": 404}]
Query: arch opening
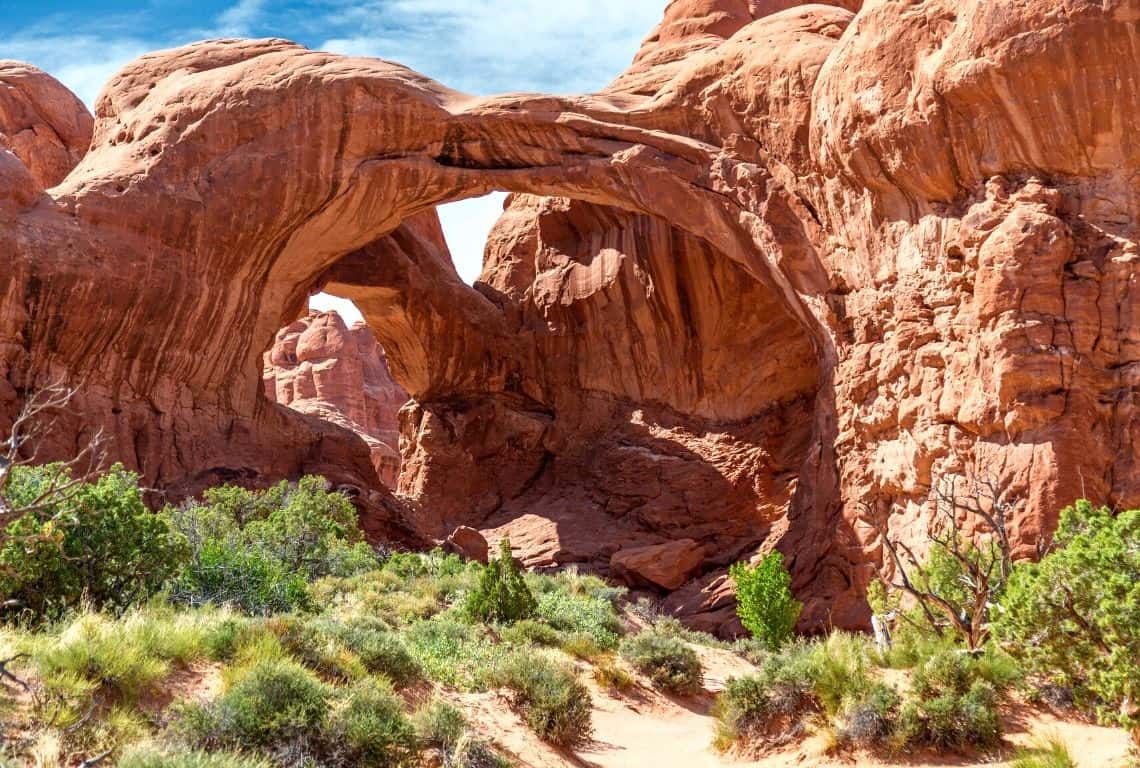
[{"x": 611, "y": 383}]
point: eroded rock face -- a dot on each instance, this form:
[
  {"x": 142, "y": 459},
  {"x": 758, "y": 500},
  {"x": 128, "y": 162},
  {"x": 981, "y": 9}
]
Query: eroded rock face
[
  {"x": 41, "y": 122},
  {"x": 795, "y": 265},
  {"x": 320, "y": 366}
]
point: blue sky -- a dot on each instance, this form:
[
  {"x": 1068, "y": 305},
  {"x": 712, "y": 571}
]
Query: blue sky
[{"x": 477, "y": 46}]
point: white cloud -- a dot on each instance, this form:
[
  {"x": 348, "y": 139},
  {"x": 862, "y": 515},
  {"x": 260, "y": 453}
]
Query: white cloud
[
  {"x": 84, "y": 63},
  {"x": 488, "y": 46},
  {"x": 238, "y": 20}
]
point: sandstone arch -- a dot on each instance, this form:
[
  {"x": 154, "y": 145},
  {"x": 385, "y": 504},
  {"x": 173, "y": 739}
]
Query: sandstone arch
[{"x": 933, "y": 221}]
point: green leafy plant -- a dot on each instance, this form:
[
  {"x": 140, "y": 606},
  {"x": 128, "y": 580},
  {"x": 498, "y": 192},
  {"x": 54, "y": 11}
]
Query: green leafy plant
[
  {"x": 1075, "y": 616},
  {"x": 440, "y": 725},
  {"x": 764, "y": 599},
  {"x": 99, "y": 545},
  {"x": 453, "y": 652},
  {"x": 258, "y": 550},
  {"x": 952, "y": 706},
  {"x": 801, "y": 680},
  {"x": 502, "y": 594}
]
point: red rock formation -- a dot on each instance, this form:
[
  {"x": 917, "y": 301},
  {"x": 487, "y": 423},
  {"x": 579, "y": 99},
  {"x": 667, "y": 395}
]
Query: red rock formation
[
  {"x": 814, "y": 261},
  {"x": 321, "y": 367},
  {"x": 41, "y": 122}
]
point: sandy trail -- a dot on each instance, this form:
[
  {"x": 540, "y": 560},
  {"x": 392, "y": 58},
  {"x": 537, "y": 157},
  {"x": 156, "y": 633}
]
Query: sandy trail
[{"x": 646, "y": 729}]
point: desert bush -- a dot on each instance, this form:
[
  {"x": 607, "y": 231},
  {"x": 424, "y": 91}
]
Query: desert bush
[
  {"x": 1045, "y": 752},
  {"x": 826, "y": 676},
  {"x": 382, "y": 652},
  {"x": 128, "y": 657},
  {"x": 672, "y": 627},
  {"x": 472, "y": 752},
  {"x": 453, "y": 652},
  {"x": 952, "y": 705},
  {"x": 583, "y": 646},
  {"x": 258, "y": 550},
  {"x": 97, "y": 546},
  {"x": 439, "y": 725},
  {"x": 274, "y": 704},
  {"x": 367, "y": 728},
  {"x": 228, "y": 574},
  {"x": 532, "y": 632},
  {"x": 764, "y": 599},
  {"x": 611, "y": 675},
  {"x": 671, "y": 664},
  {"x": 582, "y": 613},
  {"x": 312, "y": 643},
  {"x": 153, "y": 757},
  {"x": 869, "y": 719},
  {"x": 502, "y": 594},
  {"x": 1074, "y": 617},
  {"x": 549, "y": 697}
]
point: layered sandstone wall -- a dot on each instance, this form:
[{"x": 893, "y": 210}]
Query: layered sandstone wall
[{"x": 795, "y": 265}]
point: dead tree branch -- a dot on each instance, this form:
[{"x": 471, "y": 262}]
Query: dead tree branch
[{"x": 983, "y": 560}]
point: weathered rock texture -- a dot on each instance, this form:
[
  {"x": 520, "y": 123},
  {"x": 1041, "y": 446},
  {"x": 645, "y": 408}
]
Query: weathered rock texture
[
  {"x": 794, "y": 265},
  {"x": 320, "y": 366}
]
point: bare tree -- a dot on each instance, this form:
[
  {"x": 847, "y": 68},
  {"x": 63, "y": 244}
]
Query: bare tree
[
  {"x": 983, "y": 561},
  {"x": 36, "y": 419}
]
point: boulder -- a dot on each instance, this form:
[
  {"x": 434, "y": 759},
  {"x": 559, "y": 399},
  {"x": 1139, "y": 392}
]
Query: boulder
[
  {"x": 666, "y": 566},
  {"x": 468, "y": 543}
]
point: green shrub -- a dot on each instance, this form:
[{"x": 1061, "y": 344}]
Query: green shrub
[
  {"x": 150, "y": 757},
  {"x": 740, "y": 710},
  {"x": 672, "y": 627},
  {"x": 453, "y": 652},
  {"x": 802, "y": 679},
  {"x": 581, "y": 614},
  {"x": 97, "y": 546},
  {"x": 671, "y": 664},
  {"x": 258, "y": 550},
  {"x": 276, "y": 702},
  {"x": 532, "y": 632},
  {"x": 953, "y": 706},
  {"x": 549, "y": 697},
  {"x": 869, "y": 719},
  {"x": 582, "y": 646},
  {"x": 764, "y": 599},
  {"x": 957, "y": 722},
  {"x": 129, "y": 656},
  {"x": 312, "y": 643},
  {"x": 224, "y": 637},
  {"x": 476, "y": 753},
  {"x": 502, "y": 594},
  {"x": 1074, "y": 618},
  {"x": 222, "y": 573},
  {"x": 368, "y": 729},
  {"x": 439, "y": 725},
  {"x": 381, "y": 652}
]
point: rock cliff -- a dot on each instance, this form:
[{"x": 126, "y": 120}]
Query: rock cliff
[
  {"x": 320, "y": 366},
  {"x": 793, "y": 266}
]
